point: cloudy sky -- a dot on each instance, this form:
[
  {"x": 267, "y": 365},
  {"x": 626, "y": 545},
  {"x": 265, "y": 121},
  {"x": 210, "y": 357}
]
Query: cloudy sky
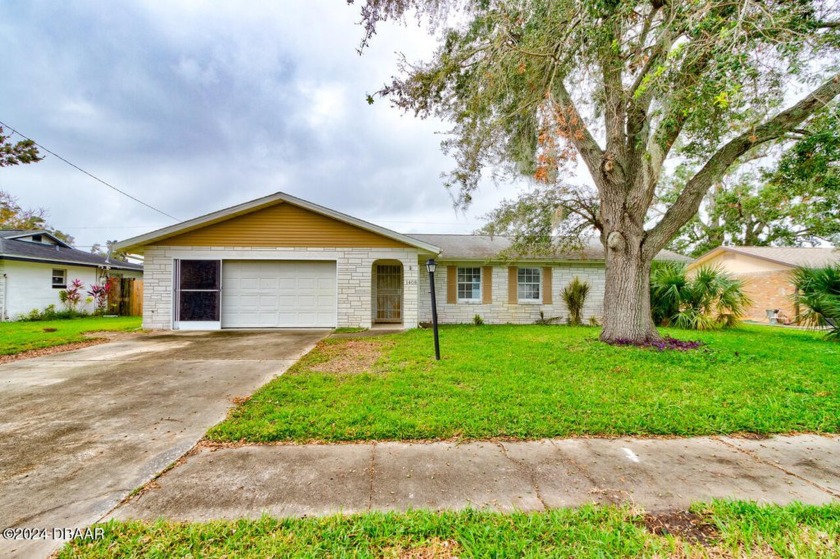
[{"x": 193, "y": 106}]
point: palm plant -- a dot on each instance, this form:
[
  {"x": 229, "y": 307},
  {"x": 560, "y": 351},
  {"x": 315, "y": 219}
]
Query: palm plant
[
  {"x": 667, "y": 282},
  {"x": 819, "y": 293},
  {"x": 574, "y": 295},
  {"x": 709, "y": 300}
]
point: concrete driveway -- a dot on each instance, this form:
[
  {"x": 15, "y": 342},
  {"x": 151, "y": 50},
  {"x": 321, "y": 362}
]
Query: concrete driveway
[{"x": 80, "y": 430}]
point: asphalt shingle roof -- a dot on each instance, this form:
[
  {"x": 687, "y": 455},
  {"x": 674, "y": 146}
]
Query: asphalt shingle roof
[
  {"x": 28, "y": 250},
  {"x": 485, "y": 247},
  {"x": 793, "y": 256}
]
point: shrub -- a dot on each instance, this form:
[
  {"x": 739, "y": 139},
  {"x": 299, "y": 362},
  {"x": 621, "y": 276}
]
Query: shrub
[
  {"x": 819, "y": 293},
  {"x": 574, "y": 296},
  {"x": 710, "y": 300},
  {"x": 99, "y": 295},
  {"x": 477, "y": 320},
  {"x": 72, "y": 296},
  {"x": 50, "y": 313}
]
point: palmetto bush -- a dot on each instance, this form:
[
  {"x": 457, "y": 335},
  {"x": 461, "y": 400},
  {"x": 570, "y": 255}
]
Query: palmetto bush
[
  {"x": 819, "y": 293},
  {"x": 574, "y": 295},
  {"x": 710, "y": 300}
]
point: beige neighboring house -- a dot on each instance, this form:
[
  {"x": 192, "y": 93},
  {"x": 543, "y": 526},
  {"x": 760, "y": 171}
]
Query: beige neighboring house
[
  {"x": 284, "y": 262},
  {"x": 766, "y": 273}
]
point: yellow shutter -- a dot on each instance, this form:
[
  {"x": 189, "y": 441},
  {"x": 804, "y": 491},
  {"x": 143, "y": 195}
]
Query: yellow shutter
[
  {"x": 451, "y": 284},
  {"x": 512, "y": 282},
  {"x": 487, "y": 284},
  {"x": 546, "y": 287}
]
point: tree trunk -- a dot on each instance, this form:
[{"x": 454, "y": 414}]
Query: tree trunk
[{"x": 627, "y": 315}]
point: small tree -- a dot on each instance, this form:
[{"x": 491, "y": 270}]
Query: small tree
[
  {"x": 710, "y": 300},
  {"x": 574, "y": 295},
  {"x": 819, "y": 293},
  {"x": 13, "y": 216}
]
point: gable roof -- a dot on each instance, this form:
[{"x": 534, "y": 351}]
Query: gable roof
[
  {"x": 12, "y": 248},
  {"x": 260, "y": 203},
  {"x": 485, "y": 247},
  {"x": 787, "y": 256},
  {"x": 22, "y": 233}
]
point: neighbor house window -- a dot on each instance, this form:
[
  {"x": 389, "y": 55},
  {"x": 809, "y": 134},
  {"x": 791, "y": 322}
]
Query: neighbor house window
[
  {"x": 59, "y": 278},
  {"x": 469, "y": 284},
  {"x": 528, "y": 284}
]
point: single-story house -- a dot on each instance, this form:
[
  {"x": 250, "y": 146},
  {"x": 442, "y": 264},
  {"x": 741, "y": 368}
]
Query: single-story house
[
  {"x": 35, "y": 266},
  {"x": 280, "y": 261},
  {"x": 766, "y": 273}
]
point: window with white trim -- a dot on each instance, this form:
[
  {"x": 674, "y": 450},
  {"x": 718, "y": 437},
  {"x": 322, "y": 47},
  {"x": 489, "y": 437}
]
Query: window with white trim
[
  {"x": 469, "y": 284},
  {"x": 529, "y": 285},
  {"x": 59, "y": 278}
]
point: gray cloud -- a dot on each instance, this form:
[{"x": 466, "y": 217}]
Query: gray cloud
[{"x": 195, "y": 106}]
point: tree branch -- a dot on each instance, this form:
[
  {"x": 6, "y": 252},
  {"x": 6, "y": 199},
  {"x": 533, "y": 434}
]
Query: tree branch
[
  {"x": 581, "y": 138},
  {"x": 688, "y": 201}
]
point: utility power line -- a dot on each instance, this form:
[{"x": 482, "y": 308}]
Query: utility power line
[{"x": 91, "y": 175}]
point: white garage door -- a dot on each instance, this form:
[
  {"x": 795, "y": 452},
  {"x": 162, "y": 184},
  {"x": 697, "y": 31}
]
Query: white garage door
[{"x": 272, "y": 294}]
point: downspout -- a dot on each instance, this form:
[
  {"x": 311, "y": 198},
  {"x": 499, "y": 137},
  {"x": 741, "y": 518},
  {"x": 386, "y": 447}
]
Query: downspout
[{"x": 5, "y": 298}]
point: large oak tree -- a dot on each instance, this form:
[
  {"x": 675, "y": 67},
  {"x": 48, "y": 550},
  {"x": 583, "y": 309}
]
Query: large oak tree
[{"x": 630, "y": 88}]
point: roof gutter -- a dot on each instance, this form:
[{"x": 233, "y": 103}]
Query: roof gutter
[{"x": 67, "y": 263}]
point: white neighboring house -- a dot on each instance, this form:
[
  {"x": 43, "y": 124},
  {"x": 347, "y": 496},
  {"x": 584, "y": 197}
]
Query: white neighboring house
[{"x": 35, "y": 266}]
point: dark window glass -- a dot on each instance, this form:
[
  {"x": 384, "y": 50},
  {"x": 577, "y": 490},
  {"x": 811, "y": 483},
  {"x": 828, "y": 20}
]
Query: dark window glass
[
  {"x": 200, "y": 274},
  {"x": 199, "y": 305},
  {"x": 59, "y": 278}
]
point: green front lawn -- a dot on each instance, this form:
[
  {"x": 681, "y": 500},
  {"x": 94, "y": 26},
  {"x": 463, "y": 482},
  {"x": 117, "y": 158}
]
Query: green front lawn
[
  {"x": 529, "y": 382},
  {"x": 720, "y": 529},
  {"x": 17, "y": 337}
]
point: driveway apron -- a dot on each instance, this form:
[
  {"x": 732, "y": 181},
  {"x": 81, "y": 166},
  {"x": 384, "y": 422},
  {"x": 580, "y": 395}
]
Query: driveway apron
[{"x": 80, "y": 430}]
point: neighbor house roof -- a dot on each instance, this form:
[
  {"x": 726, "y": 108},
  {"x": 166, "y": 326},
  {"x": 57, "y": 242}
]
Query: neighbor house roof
[
  {"x": 13, "y": 247},
  {"x": 486, "y": 247},
  {"x": 26, "y": 233},
  {"x": 788, "y": 256},
  {"x": 258, "y": 204}
]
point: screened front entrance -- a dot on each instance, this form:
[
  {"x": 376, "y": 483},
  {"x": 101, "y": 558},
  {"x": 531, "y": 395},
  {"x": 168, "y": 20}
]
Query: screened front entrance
[
  {"x": 198, "y": 286},
  {"x": 388, "y": 299}
]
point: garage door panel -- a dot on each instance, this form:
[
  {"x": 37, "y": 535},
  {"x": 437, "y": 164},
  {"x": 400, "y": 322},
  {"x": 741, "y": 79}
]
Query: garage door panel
[
  {"x": 247, "y": 283},
  {"x": 268, "y": 294},
  {"x": 247, "y": 302}
]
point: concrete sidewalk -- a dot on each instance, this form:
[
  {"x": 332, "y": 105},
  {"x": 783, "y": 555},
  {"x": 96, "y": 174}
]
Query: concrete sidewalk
[{"x": 657, "y": 474}]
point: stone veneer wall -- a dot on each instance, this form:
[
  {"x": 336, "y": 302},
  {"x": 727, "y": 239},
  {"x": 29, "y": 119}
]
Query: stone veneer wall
[
  {"x": 768, "y": 290},
  {"x": 353, "y": 269},
  {"x": 500, "y": 311}
]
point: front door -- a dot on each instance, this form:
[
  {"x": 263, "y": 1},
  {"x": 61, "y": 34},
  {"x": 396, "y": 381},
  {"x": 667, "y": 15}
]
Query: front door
[
  {"x": 389, "y": 293},
  {"x": 198, "y": 285}
]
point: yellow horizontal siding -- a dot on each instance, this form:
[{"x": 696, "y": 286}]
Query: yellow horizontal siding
[{"x": 281, "y": 225}]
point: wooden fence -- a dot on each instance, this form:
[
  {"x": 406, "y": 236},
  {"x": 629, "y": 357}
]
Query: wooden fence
[{"x": 127, "y": 297}]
